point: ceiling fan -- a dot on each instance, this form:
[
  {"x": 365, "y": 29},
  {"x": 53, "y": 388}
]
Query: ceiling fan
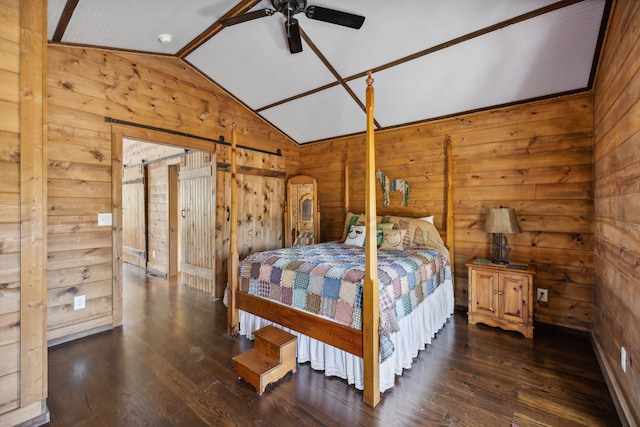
[{"x": 291, "y": 7}]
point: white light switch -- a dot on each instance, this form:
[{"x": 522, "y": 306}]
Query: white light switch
[
  {"x": 79, "y": 302},
  {"x": 104, "y": 220}
]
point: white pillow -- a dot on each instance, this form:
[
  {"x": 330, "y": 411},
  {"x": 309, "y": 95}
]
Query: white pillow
[
  {"x": 355, "y": 236},
  {"x": 427, "y": 218}
]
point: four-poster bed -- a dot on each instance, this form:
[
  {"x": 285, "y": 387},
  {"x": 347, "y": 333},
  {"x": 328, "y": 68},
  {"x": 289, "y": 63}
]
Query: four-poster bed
[{"x": 338, "y": 348}]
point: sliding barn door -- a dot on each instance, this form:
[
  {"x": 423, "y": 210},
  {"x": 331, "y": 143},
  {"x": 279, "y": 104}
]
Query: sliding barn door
[
  {"x": 260, "y": 208},
  {"x": 197, "y": 178},
  {"x": 134, "y": 216}
]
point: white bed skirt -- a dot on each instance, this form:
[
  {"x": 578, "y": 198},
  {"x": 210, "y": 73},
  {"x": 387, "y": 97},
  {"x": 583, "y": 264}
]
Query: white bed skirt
[{"x": 416, "y": 331}]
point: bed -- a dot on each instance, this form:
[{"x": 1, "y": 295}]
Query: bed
[{"x": 363, "y": 318}]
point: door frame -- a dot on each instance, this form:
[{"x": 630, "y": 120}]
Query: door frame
[
  {"x": 174, "y": 221},
  {"x": 118, "y": 133}
]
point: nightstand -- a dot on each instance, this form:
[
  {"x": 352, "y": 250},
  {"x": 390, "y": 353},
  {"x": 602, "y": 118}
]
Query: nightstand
[{"x": 501, "y": 296}]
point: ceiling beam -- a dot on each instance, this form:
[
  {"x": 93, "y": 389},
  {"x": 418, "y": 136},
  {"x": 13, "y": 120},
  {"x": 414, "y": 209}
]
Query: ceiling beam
[
  {"x": 335, "y": 73},
  {"x": 215, "y": 28},
  {"x": 466, "y": 37},
  {"x": 65, "y": 18}
]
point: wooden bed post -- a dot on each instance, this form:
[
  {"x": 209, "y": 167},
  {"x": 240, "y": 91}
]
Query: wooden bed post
[
  {"x": 233, "y": 260},
  {"x": 371, "y": 287},
  {"x": 449, "y": 225},
  {"x": 346, "y": 181}
]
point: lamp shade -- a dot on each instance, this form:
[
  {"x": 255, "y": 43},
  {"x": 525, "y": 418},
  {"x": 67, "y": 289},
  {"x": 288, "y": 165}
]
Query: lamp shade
[{"x": 502, "y": 220}]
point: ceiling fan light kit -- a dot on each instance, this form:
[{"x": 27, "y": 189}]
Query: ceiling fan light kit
[{"x": 292, "y": 28}]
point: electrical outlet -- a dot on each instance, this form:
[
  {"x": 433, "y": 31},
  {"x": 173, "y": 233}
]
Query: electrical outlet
[
  {"x": 623, "y": 359},
  {"x": 79, "y": 302},
  {"x": 153, "y": 253},
  {"x": 543, "y": 295}
]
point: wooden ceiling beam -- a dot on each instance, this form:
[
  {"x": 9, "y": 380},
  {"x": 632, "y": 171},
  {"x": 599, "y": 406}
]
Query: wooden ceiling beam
[
  {"x": 65, "y": 18},
  {"x": 215, "y": 28}
]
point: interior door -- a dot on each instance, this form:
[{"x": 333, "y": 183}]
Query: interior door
[
  {"x": 134, "y": 216},
  {"x": 259, "y": 215},
  {"x": 197, "y": 182}
]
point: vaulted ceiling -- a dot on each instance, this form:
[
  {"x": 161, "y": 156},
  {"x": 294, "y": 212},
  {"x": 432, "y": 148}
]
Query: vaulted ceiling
[{"x": 430, "y": 58}]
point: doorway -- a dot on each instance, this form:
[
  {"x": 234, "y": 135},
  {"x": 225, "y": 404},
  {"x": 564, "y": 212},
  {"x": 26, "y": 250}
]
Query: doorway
[
  {"x": 164, "y": 227},
  {"x": 150, "y": 206}
]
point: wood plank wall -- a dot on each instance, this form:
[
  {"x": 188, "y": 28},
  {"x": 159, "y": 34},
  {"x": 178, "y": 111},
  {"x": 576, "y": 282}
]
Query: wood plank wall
[
  {"x": 134, "y": 215},
  {"x": 617, "y": 206},
  {"x": 260, "y": 185},
  {"x": 536, "y": 158},
  {"x": 159, "y": 227},
  {"x": 85, "y": 86},
  {"x": 10, "y": 206},
  {"x": 23, "y": 355}
]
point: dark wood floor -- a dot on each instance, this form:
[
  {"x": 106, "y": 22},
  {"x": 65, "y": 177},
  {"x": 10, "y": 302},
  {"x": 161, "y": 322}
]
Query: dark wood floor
[{"x": 170, "y": 364}]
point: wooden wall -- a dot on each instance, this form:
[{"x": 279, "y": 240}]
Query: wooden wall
[
  {"x": 134, "y": 215},
  {"x": 10, "y": 207},
  {"x": 260, "y": 189},
  {"x": 536, "y": 158},
  {"x": 23, "y": 355},
  {"x": 85, "y": 86},
  {"x": 161, "y": 233},
  {"x": 617, "y": 207}
]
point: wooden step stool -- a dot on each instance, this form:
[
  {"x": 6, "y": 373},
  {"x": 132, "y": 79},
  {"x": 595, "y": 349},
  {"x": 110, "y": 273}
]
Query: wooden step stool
[{"x": 272, "y": 357}]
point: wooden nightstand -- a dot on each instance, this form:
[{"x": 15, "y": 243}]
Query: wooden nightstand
[{"x": 501, "y": 296}]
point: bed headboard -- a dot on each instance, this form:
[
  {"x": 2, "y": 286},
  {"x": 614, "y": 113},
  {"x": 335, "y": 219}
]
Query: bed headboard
[{"x": 446, "y": 233}]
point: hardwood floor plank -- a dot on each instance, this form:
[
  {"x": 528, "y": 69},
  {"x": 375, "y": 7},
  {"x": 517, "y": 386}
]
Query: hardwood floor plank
[{"x": 170, "y": 364}]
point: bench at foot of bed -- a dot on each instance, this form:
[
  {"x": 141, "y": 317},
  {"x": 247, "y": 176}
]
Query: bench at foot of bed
[{"x": 272, "y": 357}]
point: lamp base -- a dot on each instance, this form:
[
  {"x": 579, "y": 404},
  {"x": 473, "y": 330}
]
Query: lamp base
[{"x": 500, "y": 253}]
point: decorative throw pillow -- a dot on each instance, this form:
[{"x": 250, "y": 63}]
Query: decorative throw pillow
[
  {"x": 419, "y": 238},
  {"x": 392, "y": 240},
  {"x": 379, "y": 235},
  {"x": 351, "y": 219},
  {"x": 410, "y": 229},
  {"x": 387, "y": 225},
  {"x": 355, "y": 236}
]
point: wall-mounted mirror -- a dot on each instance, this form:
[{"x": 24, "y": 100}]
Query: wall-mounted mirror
[{"x": 302, "y": 218}]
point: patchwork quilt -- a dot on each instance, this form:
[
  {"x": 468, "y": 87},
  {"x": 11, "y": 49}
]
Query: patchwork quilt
[{"x": 326, "y": 279}]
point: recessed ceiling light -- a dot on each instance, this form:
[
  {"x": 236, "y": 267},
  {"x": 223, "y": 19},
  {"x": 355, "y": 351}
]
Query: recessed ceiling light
[{"x": 165, "y": 38}]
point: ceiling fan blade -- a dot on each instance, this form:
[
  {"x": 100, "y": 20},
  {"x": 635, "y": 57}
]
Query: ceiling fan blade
[
  {"x": 249, "y": 16},
  {"x": 292, "y": 29},
  {"x": 334, "y": 16}
]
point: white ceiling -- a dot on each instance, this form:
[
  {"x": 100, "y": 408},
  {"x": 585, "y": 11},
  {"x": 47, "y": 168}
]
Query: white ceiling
[{"x": 431, "y": 58}]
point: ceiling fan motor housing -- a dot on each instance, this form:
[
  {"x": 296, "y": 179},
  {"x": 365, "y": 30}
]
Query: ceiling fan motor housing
[{"x": 289, "y": 7}]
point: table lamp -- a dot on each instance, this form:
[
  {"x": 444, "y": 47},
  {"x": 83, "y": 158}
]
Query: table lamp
[{"x": 500, "y": 221}]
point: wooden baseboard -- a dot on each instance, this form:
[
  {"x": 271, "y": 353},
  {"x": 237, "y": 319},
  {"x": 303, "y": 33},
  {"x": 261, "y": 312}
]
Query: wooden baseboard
[
  {"x": 78, "y": 335},
  {"x": 35, "y": 414},
  {"x": 622, "y": 406}
]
